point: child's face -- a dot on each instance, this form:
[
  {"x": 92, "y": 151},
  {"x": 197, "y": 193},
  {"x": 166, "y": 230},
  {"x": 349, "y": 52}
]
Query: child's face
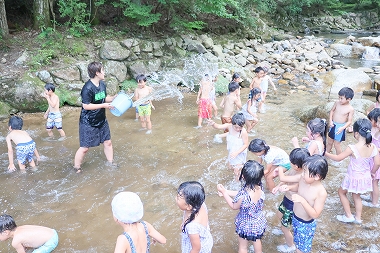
[
  {"x": 306, "y": 176},
  {"x": 47, "y": 92},
  {"x": 237, "y": 128},
  {"x": 308, "y": 133},
  {"x": 343, "y": 100},
  {"x": 261, "y": 73},
  {"x": 4, "y": 235},
  {"x": 181, "y": 202},
  {"x": 141, "y": 84},
  {"x": 257, "y": 96}
]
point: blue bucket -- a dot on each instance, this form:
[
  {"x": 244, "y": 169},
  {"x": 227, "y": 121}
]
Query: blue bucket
[{"x": 121, "y": 104}]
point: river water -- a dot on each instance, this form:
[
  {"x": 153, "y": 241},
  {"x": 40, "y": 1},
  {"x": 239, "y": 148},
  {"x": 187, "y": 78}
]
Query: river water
[{"x": 153, "y": 166}]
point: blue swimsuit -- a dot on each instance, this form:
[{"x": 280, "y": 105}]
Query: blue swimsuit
[{"x": 133, "y": 248}]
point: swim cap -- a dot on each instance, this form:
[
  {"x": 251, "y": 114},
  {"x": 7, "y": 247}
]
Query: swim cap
[{"x": 127, "y": 207}]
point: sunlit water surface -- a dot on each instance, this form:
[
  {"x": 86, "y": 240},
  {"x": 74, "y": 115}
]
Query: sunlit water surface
[{"x": 153, "y": 166}]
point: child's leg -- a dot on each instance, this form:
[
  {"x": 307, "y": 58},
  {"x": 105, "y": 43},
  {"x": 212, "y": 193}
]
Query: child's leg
[
  {"x": 375, "y": 192},
  {"x": 338, "y": 148},
  {"x": 215, "y": 109},
  {"x": 243, "y": 246},
  {"x": 143, "y": 123},
  {"x": 61, "y": 132},
  {"x": 345, "y": 202},
  {"x": 200, "y": 121},
  {"x": 263, "y": 96},
  {"x": 269, "y": 181},
  {"x": 50, "y": 132},
  {"x": 249, "y": 125},
  {"x": 358, "y": 206},
  {"x": 148, "y": 122},
  {"x": 329, "y": 144},
  {"x": 257, "y": 246},
  {"x": 22, "y": 166},
  {"x": 237, "y": 171}
]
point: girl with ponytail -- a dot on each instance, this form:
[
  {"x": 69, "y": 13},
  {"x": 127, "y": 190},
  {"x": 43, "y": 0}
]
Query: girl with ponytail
[
  {"x": 364, "y": 162},
  {"x": 196, "y": 236}
]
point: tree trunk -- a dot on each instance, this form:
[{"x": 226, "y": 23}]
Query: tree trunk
[
  {"x": 3, "y": 20},
  {"x": 41, "y": 16}
]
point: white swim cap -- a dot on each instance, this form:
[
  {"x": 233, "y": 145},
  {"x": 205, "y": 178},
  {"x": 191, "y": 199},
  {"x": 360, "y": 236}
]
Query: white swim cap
[{"x": 127, "y": 207}]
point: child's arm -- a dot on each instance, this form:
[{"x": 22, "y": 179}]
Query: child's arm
[
  {"x": 244, "y": 136},
  {"x": 37, "y": 155},
  {"x": 331, "y": 123},
  {"x": 295, "y": 142},
  {"x": 157, "y": 236},
  {"x": 195, "y": 243},
  {"x": 225, "y": 193},
  {"x": 151, "y": 105},
  {"x": 11, "y": 166},
  {"x": 268, "y": 168},
  {"x": 218, "y": 126},
  {"x": 315, "y": 210},
  {"x": 370, "y": 108},
  {"x": 249, "y": 108},
  {"x": 19, "y": 248},
  {"x": 341, "y": 156},
  {"x": 271, "y": 82},
  {"x": 47, "y": 112},
  {"x": 222, "y": 103},
  {"x": 252, "y": 83},
  {"x": 285, "y": 188},
  {"x": 287, "y": 179},
  {"x": 199, "y": 93}
]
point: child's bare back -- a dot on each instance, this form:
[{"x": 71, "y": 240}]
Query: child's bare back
[
  {"x": 18, "y": 136},
  {"x": 31, "y": 236}
]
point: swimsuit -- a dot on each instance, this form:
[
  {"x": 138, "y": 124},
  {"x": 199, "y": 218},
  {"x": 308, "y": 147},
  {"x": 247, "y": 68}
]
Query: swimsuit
[
  {"x": 144, "y": 110},
  {"x": 264, "y": 84},
  {"x": 54, "y": 119},
  {"x": 132, "y": 245},
  {"x": 234, "y": 143},
  {"x": 204, "y": 236},
  {"x": 253, "y": 109},
  {"x": 286, "y": 208},
  {"x": 303, "y": 233},
  {"x": 204, "y": 108},
  {"x": 337, "y": 137},
  {"x": 319, "y": 145},
  {"x": 48, "y": 246},
  {"x": 25, "y": 151}
]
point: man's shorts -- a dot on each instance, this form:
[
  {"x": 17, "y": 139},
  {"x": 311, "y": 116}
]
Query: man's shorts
[
  {"x": 48, "y": 246},
  {"x": 54, "y": 120},
  {"x": 144, "y": 110},
  {"x": 90, "y": 136},
  {"x": 25, "y": 151},
  {"x": 303, "y": 233},
  {"x": 337, "y": 137}
]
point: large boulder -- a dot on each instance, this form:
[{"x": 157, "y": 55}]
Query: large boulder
[
  {"x": 353, "y": 78},
  {"x": 369, "y": 41},
  {"x": 343, "y": 50},
  {"x": 112, "y": 50},
  {"x": 6, "y": 110}
]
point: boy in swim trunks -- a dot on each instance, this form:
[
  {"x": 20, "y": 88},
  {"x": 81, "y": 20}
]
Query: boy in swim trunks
[
  {"x": 228, "y": 104},
  {"x": 341, "y": 116},
  {"x": 203, "y": 100},
  {"x": 52, "y": 114},
  {"x": 42, "y": 239},
  {"x": 25, "y": 146},
  {"x": 308, "y": 201},
  {"x": 144, "y": 109}
]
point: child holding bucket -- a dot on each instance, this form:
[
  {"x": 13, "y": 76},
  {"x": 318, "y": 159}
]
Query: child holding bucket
[{"x": 144, "y": 109}]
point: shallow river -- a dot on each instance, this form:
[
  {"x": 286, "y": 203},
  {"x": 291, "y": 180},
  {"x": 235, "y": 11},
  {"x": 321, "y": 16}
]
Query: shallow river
[{"x": 78, "y": 205}]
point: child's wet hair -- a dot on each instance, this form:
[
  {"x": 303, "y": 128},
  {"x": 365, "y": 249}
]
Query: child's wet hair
[
  {"x": 251, "y": 173},
  {"x": 254, "y": 92},
  {"x": 194, "y": 195},
  {"x": 7, "y": 223},
  {"x": 374, "y": 114},
  {"x": 16, "y": 123},
  {"x": 319, "y": 126},
  {"x": 258, "y": 69},
  {"x": 50, "y": 86},
  {"x": 238, "y": 119},
  {"x": 141, "y": 77},
  {"x": 235, "y": 76},
  {"x": 363, "y": 127},
  {"x": 346, "y": 92},
  {"x": 233, "y": 86},
  {"x": 94, "y": 67},
  {"x": 258, "y": 145},
  {"x": 298, "y": 156},
  {"x": 317, "y": 166}
]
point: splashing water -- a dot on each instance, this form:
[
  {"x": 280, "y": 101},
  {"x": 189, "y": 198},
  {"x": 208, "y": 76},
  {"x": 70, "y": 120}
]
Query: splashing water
[{"x": 197, "y": 67}]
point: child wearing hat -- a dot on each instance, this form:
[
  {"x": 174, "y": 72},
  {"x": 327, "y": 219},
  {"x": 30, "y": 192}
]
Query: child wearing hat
[{"x": 128, "y": 211}]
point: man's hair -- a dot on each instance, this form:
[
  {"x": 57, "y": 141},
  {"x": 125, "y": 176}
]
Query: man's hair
[
  {"x": 7, "y": 223},
  {"x": 50, "y": 86},
  {"x": 94, "y": 67},
  {"x": 346, "y": 92}
]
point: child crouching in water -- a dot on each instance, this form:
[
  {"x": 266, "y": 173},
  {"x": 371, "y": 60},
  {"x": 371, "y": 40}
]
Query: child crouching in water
[
  {"x": 128, "y": 211},
  {"x": 285, "y": 210},
  {"x": 250, "y": 221},
  {"x": 25, "y": 146},
  {"x": 196, "y": 236},
  {"x": 237, "y": 142},
  {"x": 42, "y": 239}
]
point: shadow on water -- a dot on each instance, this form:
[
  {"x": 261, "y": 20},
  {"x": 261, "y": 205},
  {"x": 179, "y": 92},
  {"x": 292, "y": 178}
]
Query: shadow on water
[{"x": 153, "y": 166}]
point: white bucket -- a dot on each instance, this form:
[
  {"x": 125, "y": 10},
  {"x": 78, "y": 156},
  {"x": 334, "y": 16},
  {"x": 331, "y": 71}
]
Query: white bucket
[{"x": 121, "y": 104}]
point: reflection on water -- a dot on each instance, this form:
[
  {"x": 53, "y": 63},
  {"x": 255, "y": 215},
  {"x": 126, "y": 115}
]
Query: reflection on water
[{"x": 153, "y": 166}]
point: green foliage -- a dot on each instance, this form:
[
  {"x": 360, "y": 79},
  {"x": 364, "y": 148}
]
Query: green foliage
[
  {"x": 221, "y": 85},
  {"x": 129, "y": 85},
  {"x": 140, "y": 13},
  {"x": 42, "y": 57}
]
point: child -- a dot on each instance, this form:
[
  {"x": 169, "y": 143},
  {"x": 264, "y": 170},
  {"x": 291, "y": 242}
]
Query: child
[
  {"x": 42, "y": 239},
  {"x": 52, "y": 114},
  {"x": 203, "y": 100},
  {"x": 308, "y": 201},
  {"x": 340, "y": 118},
  {"x": 364, "y": 162},
  {"x": 250, "y": 221},
  {"x": 196, "y": 236},
  {"x": 249, "y": 109},
  {"x": 285, "y": 210},
  {"x": 213, "y": 97},
  {"x": 264, "y": 84},
  {"x": 25, "y": 146},
  {"x": 316, "y": 136},
  {"x": 128, "y": 210},
  {"x": 229, "y": 102},
  {"x": 376, "y": 104},
  {"x": 144, "y": 109},
  {"x": 237, "y": 142},
  {"x": 256, "y": 81},
  {"x": 273, "y": 156},
  {"x": 236, "y": 78}
]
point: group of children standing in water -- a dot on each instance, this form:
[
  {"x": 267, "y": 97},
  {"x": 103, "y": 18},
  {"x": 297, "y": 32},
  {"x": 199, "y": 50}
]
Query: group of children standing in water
[{"x": 300, "y": 174}]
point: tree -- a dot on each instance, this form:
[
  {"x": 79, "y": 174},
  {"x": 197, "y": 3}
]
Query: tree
[
  {"x": 41, "y": 17},
  {"x": 3, "y": 20}
]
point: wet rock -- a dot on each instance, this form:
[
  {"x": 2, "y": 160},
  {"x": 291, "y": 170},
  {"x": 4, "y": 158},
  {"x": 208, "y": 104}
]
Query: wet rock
[
  {"x": 288, "y": 76},
  {"x": 343, "y": 50},
  {"x": 369, "y": 41},
  {"x": 3, "y": 60},
  {"x": 196, "y": 46},
  {"x": 116, "y": 69},
  {"x": 44, "y": 76},
  {"x": 112, "y": 50},
  {"x": 70, "y": 74},
  {"x": 129, "y": 43},
  {"x": 146, "y": 46}
]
